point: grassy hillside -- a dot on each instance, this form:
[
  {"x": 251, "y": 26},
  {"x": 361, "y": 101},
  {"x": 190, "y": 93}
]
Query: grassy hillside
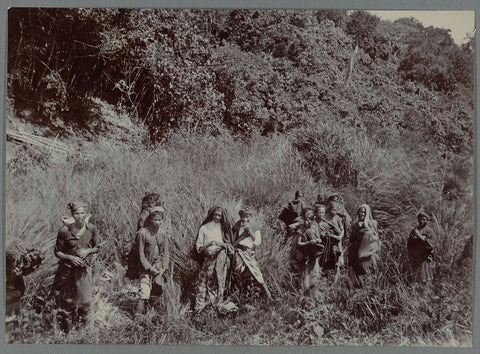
[
  {"x": 242, "y": 108},
  {"x": 194, "y": 172}
]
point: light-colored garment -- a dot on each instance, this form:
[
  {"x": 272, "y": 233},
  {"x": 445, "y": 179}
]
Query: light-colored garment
[
  {"x": 245, "y": 251},
  {"x": 209, "y": 232},
  {"x": 146, "y": 285},
  {"x": 364, "y": 248}
]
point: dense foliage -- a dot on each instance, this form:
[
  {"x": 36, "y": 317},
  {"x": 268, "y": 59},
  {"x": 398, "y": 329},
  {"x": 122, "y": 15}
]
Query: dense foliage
[
  {"x": 242, "y": 69},
  {"x": 243, "y": 107}
]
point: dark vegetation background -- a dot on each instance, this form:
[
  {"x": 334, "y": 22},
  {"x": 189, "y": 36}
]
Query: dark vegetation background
[{"x": 243, "y": 107}]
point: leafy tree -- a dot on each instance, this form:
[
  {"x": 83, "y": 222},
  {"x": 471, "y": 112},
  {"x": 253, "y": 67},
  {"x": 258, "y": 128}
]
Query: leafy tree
[
  {"x": 433, "y": 59},
  {"x": 360, "y": 26},
  {"x": 339, "y": 17}
]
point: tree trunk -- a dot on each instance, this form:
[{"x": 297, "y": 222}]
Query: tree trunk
[{"x": 350, "y": 67}]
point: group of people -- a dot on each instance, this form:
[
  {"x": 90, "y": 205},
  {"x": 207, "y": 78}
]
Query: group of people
[
  {"x": 324, "y": 237},
  {"x": 226, "y": 249}
]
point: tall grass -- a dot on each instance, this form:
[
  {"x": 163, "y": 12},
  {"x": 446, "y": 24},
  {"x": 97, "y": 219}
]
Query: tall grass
[{"x": 192, "y": 173}]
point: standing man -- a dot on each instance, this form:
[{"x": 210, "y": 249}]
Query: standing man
[{"x": 420, "y": 250}]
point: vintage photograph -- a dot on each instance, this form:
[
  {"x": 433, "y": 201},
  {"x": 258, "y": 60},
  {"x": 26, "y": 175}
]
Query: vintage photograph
[{"x": 239, "y": 177}]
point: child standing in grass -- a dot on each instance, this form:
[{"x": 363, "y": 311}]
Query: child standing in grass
[
  {"x": 153, "y": 255},
  {"x": 72, "y": 286},
  {"x": 420, "y": 250},
  {"x": 244, "y": 241},
  {"x": 309, "y": 248},
  {"x": 149, "y": 201},
  {"x": 336, "y": 218}
]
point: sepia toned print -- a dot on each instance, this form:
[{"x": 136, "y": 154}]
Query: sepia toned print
[{"x": 238, "y": 177}]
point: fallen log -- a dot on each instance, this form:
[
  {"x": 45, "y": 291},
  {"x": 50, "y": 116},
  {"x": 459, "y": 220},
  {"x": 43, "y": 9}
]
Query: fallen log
[{"x": 42, "y": 142}]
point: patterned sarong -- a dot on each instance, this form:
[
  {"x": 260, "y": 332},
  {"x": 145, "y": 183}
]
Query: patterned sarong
[
  {"x": 211, "y": 280},
  {"x": 245, "y": 258}
]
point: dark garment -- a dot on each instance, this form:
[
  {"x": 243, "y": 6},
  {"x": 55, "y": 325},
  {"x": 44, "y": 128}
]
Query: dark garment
[
  {"x": 141, "y": 218},
  {"x": 288, "y": 216},
  {"x": 420, "y": 253},
  {"x": 72, "y": 286},
  {"x": 333, "y": 251},
  {"x": 310, "y": 250},
  {"x": 363, "y": 248},
  {"x": 212, "y": 279},
  {"x": 15, "y": 288},
  {"x": 69, "y": 243},
  {"x": 152, "y": 248},
  {"x": 465, "y": 257},
  {"x": 297, "y": 206}
]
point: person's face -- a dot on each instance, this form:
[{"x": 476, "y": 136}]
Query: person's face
[
  {"x": 361, "y": 214},
  {"x": 299, "y": 196},
  {"x": 79, "y": 215},
  {"x": 320, "y": 212},
  {"x": 422, "y": 221},
  {"x": 217, "y": 216},
  {"x": 333, "y": 208},
  {"x": 156, "y": 220},
  {"x": 308, "y": 218},
  {"x": 245, "y": 218}
]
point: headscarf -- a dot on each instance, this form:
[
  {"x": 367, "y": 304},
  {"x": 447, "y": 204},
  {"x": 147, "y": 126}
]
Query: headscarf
[
  {"x": 368, "y": 215},
  {"x": 245, "y": 211},
  {"x": 226, "y": 222},
  {"x": 73, "y": 206}
]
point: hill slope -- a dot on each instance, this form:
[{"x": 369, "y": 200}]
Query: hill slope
[{"x": 242, "y": 108}]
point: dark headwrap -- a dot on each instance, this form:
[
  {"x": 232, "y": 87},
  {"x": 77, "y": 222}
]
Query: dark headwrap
[
  {"x": 335, "y": 198},
  {"x": 422, "y": 213}
]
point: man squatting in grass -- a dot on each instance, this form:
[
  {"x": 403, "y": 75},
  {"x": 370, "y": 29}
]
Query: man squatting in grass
[
  {"x": 72, "y": 286},
  {"x": 154, "y": 255}
]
